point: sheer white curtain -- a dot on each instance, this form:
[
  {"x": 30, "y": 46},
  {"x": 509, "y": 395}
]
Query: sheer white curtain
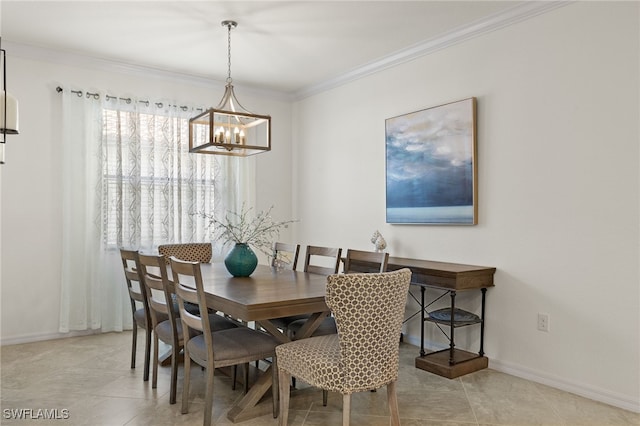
[{"x": 129, "y": 181}]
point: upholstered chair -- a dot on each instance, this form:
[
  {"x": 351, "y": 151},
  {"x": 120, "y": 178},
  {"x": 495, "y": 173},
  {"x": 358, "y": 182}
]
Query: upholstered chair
[{"x": 364, "y": 354}]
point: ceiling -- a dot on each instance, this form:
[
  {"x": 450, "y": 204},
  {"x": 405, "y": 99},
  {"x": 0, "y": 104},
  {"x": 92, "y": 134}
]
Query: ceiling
[{"x": 283, "y": 46}]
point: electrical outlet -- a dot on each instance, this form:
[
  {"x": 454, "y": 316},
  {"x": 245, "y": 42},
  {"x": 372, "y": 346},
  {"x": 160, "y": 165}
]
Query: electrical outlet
[{"x": 543, "y": 322}]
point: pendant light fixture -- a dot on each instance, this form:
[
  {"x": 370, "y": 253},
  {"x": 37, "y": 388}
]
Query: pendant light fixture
[
  {"x": 229, "y": 128},
  {"x": 8, "y": 108}
]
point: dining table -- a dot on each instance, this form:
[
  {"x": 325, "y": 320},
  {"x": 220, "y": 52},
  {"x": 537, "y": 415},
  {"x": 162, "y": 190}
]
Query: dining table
[{"x": 269, "y": 293}]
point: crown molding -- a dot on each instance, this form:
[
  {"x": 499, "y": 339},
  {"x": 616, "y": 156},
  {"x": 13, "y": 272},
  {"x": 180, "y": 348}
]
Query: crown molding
[
  {"x": 63, "y": 57},
  {"x": 510, "y": 16}
]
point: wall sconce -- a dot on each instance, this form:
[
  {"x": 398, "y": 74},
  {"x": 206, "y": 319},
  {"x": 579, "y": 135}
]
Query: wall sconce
[
  {"x": 229, "y": 128},
  {"x": 8, "y": 109}
]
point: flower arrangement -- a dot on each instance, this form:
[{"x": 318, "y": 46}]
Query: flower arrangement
[{"x": 256, "y": 230}]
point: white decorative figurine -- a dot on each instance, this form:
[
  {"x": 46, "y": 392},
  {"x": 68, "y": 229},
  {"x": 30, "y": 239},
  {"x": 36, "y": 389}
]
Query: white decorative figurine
[{"x": 378, "y": 240}]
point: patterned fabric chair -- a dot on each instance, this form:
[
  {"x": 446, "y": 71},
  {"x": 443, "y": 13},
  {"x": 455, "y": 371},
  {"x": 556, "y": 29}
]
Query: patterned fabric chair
[
  {"x": 364, "y": 355},
  {"x": 189, "y": 252}
]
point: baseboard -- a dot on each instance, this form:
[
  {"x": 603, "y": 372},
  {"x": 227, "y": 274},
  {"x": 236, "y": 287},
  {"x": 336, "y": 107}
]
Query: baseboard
[
  {"x": 31, "y": 338},
  {"x": 581, "y": 389}
]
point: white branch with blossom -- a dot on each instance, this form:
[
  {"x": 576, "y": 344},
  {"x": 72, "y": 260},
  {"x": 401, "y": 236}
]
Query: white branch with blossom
[{"x": 258, "y": 231}]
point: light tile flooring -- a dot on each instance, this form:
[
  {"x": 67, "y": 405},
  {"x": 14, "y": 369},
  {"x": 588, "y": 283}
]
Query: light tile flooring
[{"x": 91, "y": 379}]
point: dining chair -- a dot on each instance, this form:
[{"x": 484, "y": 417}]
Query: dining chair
[
  {"x": 364, "y": 354},
  {"x": 318, "y": 260},
  {"x": 377, "y": 262},
  {"x": 165, "y": 320},
  {"x": 189, "y": 252},
  {"x": 215, "y": 349},
  {"x": 140, "y": 315},
  {"x": 285, "y": 256}
]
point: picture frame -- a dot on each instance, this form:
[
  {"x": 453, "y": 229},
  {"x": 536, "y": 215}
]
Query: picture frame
[{"x": 431, "y": 165}]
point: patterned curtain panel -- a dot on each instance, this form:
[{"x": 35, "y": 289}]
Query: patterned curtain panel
[
  {"x": 152, "y": 187},
  {"x": 129, "y": 181}
]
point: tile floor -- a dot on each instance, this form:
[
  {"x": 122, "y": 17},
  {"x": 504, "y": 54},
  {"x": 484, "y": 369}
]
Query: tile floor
[{"x": 88, "y": 380}]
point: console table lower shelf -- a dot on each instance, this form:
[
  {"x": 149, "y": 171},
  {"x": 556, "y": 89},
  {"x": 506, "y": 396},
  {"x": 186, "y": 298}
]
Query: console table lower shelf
[{"x": 463, "y": 363}]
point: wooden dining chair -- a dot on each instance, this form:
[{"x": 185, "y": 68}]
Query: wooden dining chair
[
  {"x": 375, "y": 262},
  {"x": 189, "y": 252},
  {"x": 318, "y": 260},
  {"x": 214, "y": 349},
  {"x": 165, "y": 320},
  {"x": 365, "y": 261},
  {"x": 139, "y": 307},
  {"x": 285, "y": 256},
  {"x": 364, "y": 354}
]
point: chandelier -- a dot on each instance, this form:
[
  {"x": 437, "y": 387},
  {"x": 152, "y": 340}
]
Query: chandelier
[
  {"x": 8, "y": 108},
  {"x": 229, "y": 128}
]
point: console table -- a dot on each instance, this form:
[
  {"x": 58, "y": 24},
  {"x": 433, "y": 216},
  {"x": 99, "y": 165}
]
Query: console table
[{"x": 450, "y": 278}]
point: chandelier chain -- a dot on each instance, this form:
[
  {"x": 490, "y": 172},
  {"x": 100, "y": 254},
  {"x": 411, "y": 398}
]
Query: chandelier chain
[{"x": 229, "y": 80}]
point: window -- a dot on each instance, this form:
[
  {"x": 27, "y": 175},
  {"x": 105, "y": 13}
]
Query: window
[{"x": 152, "y": 187}]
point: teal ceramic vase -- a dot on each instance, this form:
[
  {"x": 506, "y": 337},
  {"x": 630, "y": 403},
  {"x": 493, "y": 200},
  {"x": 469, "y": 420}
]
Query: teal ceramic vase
[{"x": 241, "y": 261}]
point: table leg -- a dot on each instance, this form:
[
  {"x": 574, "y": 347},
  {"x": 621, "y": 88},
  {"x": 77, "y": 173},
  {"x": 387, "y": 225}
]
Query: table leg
[
  {"x": 451, "y": 342},
  {"x": 248, "y": 407},
  {"x": 422, "y": 352},
  {"x": 484, "y": 292}
]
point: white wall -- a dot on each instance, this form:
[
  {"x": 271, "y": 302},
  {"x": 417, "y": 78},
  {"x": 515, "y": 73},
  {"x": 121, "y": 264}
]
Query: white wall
[
  {"x": 558, "y": 188},
  {"x": 31, "y": 178}
]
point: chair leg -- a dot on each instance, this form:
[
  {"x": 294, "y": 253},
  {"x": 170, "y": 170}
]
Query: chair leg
[
  {"x": 147, "y": 355},
  {"x": 245, "y": 370},
  {"x": 283, "y": 385},
  {"x": 154, "y": 380},
  {"x": 185, "y": 383},
  {"x": 134, "y": 344},
  {"x": 275, "y": 387},
  {"x": 346, "y": 409},
  {"x": 393, "y": 404},
  {"x": 234, "y": 377},
  {"x": 325, "y": 397},
  {"x": 208, "y": 405},
  {"x": 175, "y": 353}
]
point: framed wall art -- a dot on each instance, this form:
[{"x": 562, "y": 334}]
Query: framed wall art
[{"x": 431, "y": 169}]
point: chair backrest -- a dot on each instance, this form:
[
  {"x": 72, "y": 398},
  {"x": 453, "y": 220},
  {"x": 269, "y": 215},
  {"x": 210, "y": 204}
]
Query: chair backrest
[
  {"x": 369, "y": 310},
  {"x": 356, "y": 259},
  {"x": 187, "y": 281},
  {"x": 285, "y": 256},
  {"x": 137, "y": 292},
  {"x": 190, "y": 252},
  {"x": 330, "y": 254},
  {"x": 158, "y": 289}
]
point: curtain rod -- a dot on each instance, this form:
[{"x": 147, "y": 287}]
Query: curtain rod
[{"x": 127, "y": 100}]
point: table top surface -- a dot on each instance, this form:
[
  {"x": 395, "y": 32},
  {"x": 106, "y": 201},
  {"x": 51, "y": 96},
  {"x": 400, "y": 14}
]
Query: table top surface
[{"x": 267, "y": 293}]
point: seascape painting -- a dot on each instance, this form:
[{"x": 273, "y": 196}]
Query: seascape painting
[{"x": 431, "y": 165}]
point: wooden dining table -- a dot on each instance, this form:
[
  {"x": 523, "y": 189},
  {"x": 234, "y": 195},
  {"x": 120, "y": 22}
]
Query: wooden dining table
[{"x": 267, "y": 294}]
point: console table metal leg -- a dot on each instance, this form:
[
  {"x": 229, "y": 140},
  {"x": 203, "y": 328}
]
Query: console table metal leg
[
  {"x": 422, "y": 352},
  {"x": 484, "y": 292},
  {"x": 451, "y": 341}
]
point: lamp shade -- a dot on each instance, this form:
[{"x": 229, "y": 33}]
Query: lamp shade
[{"x": 11, "y": 125}]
